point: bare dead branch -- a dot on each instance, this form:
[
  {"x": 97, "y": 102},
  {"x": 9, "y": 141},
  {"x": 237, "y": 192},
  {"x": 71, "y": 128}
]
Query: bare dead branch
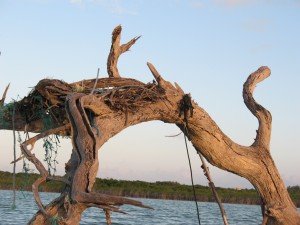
[
  {"x": 107, "y": 216},
  {"x": 4, "y": 96},
  {"x": 34, "y": 139},
  {"x": 106, "y": 207},
  {"x": 212, "y": 186},
  {"x": 35, "y": 190},
  {"x": 58, "y": 179},
  {"x": 85, "y": 86},
  {"x": 265, "y": 220},
  {"x": 96, "y": 81},
  {"x": 179, "y": 89},
  {"x": 102, "y": 199},
  {"x": 167, "y": 86},
  {"x": 264, "y": 116},
  {"x": 126, "y": 47},
  {"x": 156, "y": 75},
  {"x": 31, "y": 157},
  {"x": 116, "y": 50},
  {"x": 118, "y": 103}
]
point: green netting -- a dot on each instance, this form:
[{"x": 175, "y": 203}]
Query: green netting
[
  {"x": 6, "y": 112},
  {"x": 55, "y": 220},
  {"x": 32, "y": 108},
  {"x": 35, "y": 111},
  {"x": 42, "y": 113}
]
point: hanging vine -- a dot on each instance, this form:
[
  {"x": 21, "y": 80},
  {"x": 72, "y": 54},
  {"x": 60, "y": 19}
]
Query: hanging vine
[
  {"x": 51, "y": 145},
  {"x": 25, "y": 168}
]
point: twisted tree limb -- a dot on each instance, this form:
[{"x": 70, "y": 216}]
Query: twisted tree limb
[
  {"x": 118, "y": 103},
  {"x": 264, "y": 116}
]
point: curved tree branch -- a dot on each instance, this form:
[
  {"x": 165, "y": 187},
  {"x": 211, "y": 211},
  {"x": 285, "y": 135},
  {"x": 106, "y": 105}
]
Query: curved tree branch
[
  {"x": 35, "y": 190},
  {"x": 264, "y": 116},
  {"x": 85, "y": 143},
  {"x": 252, "y": 163},
  {"x": 34, "y": 139}
]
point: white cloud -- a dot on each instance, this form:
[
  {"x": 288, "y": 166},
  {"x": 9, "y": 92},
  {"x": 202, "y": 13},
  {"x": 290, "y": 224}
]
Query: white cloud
[
  {"x": 197, "y": 5},
  {"x": 234, "y": 3},
  {"x": 114, "y": 6},
  {"x": 76, "y": 2},
  {"x": 241, "y": 3},
  {"x": 117, "y": 8}
]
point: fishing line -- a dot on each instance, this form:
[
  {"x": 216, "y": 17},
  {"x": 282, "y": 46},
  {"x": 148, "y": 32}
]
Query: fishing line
[{"x": 192, "y": 179}]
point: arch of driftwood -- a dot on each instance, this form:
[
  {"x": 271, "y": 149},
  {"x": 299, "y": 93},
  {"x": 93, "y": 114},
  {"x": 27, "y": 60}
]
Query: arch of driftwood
[{"x": 117, "y": 103}]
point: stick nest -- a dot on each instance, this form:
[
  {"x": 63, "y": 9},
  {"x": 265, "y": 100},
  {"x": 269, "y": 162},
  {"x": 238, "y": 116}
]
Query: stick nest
[{"x": 133, "y": 97}]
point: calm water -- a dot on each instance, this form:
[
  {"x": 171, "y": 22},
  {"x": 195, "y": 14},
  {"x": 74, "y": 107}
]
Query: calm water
[{"x": 165, "y": 212}]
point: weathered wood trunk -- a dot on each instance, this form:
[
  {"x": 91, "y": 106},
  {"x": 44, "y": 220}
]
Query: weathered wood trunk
[{"x": 92, "y": 119}]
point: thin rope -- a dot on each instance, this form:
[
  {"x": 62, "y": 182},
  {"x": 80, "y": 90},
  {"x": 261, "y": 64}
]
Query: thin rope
[
  {"x": 14, "y": 169},
  {"x": 192, "y": 179},
  {"x": 173, "y": 135}
]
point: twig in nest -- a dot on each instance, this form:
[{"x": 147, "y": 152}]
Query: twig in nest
[
  {"x": 132, "y": 97},
  {"x": 95, "y": 82}
]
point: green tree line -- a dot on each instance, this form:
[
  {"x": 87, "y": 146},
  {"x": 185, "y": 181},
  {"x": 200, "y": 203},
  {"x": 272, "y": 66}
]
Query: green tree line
[{"x": 141, "y": 189}]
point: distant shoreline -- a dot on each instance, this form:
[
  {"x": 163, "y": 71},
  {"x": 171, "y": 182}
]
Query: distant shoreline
[{"x": 167, "y": 190}]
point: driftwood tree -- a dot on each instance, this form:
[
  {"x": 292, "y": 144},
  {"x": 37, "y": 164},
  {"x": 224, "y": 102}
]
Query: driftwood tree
[{"x": 93, "y": 111}]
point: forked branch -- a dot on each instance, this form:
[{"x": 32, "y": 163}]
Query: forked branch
[
  {"x": 34, "y": 139},
  {"x": 40, "y": 167},
  {"x": 116, "y": 50}
]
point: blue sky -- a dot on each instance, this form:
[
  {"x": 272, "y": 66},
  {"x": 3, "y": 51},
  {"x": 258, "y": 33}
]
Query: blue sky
[{"x": 208, "y": 47}]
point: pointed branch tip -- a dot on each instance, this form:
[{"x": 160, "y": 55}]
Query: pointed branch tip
[
  {"x": 179, "y": 89},
  {"x": 4, "y": 96},
  {"x": 154, "y": 72}
]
